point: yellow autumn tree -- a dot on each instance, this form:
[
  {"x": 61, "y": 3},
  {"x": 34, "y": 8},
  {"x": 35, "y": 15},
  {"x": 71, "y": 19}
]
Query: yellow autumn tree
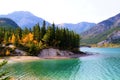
[
  {"x": 13, "y": 39},
  {"x": 25, "y": 39},
  {"x": 7, "y": 52},
  {"x": 28, "y": 38}
]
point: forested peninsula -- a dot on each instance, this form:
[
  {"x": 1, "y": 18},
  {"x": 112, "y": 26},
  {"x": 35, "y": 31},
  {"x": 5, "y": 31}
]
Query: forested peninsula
[{"x": 31, "y": 41}]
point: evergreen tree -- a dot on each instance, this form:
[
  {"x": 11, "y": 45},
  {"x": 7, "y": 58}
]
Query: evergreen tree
[
  {"x": 25, "y": 31},
  {"x": 32, "y": 50},
  {"x": 36, "y": 32},
  {"x": 47, "y": 36},
  {"x": 53, "y": 31},
  {"x": 57, "y": 37},
  {"x": 3, "y": 75},
  {"x": 6, "y": 37},
  {"x": 19, "y": 32},
  {"x": 43, "y": 29}
]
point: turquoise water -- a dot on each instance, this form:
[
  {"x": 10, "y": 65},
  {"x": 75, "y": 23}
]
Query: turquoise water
[
  {"x": 103, "y": 66},
  {"x": 108, "y": 51}
]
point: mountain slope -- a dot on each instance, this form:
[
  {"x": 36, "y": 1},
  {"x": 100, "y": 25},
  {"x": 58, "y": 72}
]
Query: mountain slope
[
  {"x": 100, "y": 29},
  {"x": 25, "y": 19},
  {"x": 7, "y": 23},
  {"x": 114, "y": 37},
  {"x": 106, "y": 35},
  {"x": 79, "y": 27}
]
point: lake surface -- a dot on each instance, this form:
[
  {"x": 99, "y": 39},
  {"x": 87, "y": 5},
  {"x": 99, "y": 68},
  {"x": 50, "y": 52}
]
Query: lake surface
[{"x": 102, "y": 66}]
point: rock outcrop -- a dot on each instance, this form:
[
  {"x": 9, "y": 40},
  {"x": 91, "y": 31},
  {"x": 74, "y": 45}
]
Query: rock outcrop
[{"x": 54, "y": 52}]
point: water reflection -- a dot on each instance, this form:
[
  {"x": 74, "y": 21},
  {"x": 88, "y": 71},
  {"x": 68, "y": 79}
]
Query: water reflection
[{"x": 46, "y": 70}]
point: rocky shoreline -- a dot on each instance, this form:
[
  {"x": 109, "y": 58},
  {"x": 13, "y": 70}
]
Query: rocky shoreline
[{"x": 50, "y": 53}]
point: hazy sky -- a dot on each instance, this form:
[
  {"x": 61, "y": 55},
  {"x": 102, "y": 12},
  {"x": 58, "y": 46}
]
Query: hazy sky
[{"x": 64, "y": 11}]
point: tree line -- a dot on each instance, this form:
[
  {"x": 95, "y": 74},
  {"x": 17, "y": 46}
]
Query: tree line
[{"x": 40, "y": 37}]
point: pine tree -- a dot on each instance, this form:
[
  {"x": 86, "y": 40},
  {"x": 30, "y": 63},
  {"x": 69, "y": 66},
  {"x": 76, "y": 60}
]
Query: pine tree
[
  {"x": 57, "y": 37},
  {"x": 43, "y": 29},
  {"x": 3, "y": 75},
  {"x": 19, "y": 33},
  {"x": 25, "y": 31},
  {"x": 6, "y": 37},
  {"x": 47, "y": 36},
  {"x": 36, "y": 33},
  {"x": 53, "y": 31}
]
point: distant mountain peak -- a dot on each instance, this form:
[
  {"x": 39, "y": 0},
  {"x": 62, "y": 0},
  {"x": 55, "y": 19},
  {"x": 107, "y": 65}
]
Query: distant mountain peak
[
  {"x": 23, "y": 13},
  {"x": 25, "y": 19},
  {"x": 79, "y": 27}
]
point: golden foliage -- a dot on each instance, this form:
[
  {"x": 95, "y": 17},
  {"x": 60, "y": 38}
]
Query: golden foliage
[
  {"x": 13, "y": 39},
  {"x": 28, "y": 38},
  {"x": 35, "y": 42},
  {"x": 30, "y": 35},
  {"x": 7, "y": 52}
]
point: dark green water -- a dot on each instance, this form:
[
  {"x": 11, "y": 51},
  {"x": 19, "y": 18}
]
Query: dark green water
[{"x": 95, "y": 67}]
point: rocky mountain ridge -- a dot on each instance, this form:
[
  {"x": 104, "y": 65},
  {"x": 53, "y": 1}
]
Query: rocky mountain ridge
[
  {"x": 27, "y": 19},
  {"x": 78, "y": 27},
  {"x": 101, "y": 30},
  {"x": 103, "y": 26}
]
